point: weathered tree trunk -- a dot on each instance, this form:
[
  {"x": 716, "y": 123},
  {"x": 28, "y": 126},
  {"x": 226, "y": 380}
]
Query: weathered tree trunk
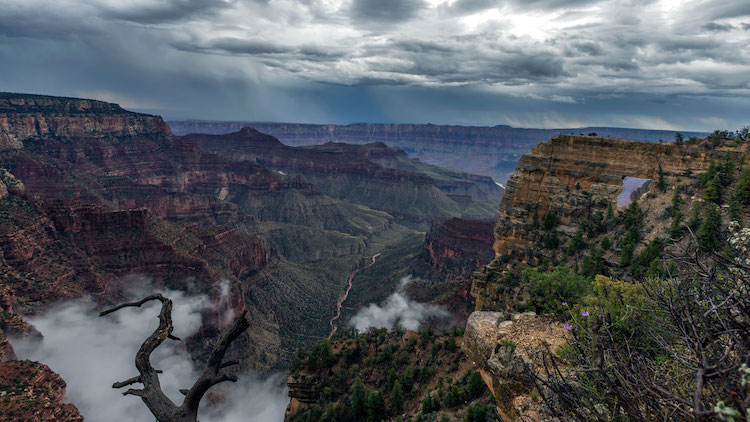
[{"x": 152, "y": 395}]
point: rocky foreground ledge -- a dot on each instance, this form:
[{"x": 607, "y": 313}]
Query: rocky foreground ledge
[{"x": 503, "y": 347}]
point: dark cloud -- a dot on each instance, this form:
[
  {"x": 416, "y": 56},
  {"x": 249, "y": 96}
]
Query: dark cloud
[
  {"x": 165, "y": 11},
  {"x": 359, "y": 60},
  {"x": 385, "y": 11},
  {"x": 590, "y": 48},
  {"x": 472, "y": 6},
  {"x": 234, "y": 46},
  {"x": 718, "y": 27}
]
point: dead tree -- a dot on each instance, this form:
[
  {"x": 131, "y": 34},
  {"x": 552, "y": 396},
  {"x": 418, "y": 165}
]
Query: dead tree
[{"x": 158, "y": 403}]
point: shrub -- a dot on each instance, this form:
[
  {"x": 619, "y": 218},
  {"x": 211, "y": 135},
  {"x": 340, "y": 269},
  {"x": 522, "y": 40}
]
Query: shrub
[
  {"x": 659, "y": 347},
  {"x": 548, "y": 290}
]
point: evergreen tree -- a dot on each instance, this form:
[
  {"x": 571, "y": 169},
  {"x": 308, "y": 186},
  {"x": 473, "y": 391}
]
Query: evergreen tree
[
  {"x": 428, "y": 404},
  {"x": 454, "y": 396},
  {"x": 633, "y": 220},
  {"x": 392, "y": 378},
  {"x": 678, "y": 138},
  {"x": 358, "y": 398},
  {"x": 661, "y": 184},
  {"x": 675, "y": 230},
  {"x": 742, "y": 189},
  {"x": 610, "y": 213},
  {"x": 476, "y": 385},
  {"x": 709, "y": 232},
  {"x": 375, "y": 407},
  {"x": 551, "y": 221},
  {"x": 397, "y": 398}
]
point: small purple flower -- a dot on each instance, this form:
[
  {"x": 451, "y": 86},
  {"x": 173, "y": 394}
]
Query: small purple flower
[
  {"x": 565, "y": 303},
  {"x": 567, "y": 327},
  {"x": 585, "y": 313}
]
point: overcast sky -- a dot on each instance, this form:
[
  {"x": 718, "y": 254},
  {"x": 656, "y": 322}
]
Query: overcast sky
[{"x": 528, "y": 63}]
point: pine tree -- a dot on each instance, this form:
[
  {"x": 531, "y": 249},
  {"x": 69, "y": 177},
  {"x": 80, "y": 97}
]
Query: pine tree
[
  {"x": 476, "y": 385},
  {"x": 661, "y": 184},
  {"x": 392, "y": 378},
  {"x": 358, "y": 398},
  {"x": 375, "y": 407},
  {"x": 397, "y": 398},
  {"x": 742, "y": 189},
  {"x": 610, "y": 213},
  {"x": 709, "y": 232}
]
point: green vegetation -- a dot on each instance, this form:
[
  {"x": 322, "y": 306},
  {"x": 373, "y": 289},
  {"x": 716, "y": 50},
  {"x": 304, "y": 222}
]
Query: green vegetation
[
  {"x": 661, "y": 184},
  {"x": 381, "y": 375},
  {"x": 549, "y": 290},
  {"x": 632, "y": 219}
]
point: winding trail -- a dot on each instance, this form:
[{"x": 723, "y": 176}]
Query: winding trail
[{"x": 340, "y": 304}]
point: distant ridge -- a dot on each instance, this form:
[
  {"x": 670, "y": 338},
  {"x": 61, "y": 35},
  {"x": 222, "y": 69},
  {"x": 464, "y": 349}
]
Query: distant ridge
[{"x": 490, "y": 151}]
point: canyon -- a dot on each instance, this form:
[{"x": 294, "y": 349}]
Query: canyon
[{"x": 100, "y": 202}]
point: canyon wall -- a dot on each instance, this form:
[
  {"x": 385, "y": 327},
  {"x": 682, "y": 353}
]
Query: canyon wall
[{"x": 27, "y": 117}]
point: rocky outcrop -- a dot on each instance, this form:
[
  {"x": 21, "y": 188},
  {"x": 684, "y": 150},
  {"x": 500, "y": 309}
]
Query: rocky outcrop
[
  {"x": 302, "y": 388},
  {"x": 30, "y": 391},
  {"x": 572, "y": 178},
  {"x": 505, "y": 348}
]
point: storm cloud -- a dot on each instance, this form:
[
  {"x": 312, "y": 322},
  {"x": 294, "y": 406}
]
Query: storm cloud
[{"x": 647, "y": 63}]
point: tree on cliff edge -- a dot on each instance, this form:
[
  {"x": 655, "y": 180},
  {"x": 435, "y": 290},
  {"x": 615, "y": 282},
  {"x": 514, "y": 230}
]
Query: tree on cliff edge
[{"x": 158, "y": 403}]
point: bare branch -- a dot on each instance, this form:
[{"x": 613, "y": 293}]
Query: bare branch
[
  {"x": 127, "y": 382},
  {"x": 152, "y": 395}
]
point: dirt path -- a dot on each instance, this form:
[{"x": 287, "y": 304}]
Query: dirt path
[{"x": 340, "y": 304}]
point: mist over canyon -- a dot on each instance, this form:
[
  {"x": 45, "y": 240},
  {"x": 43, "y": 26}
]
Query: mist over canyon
[{"x": 91, "y": 353}]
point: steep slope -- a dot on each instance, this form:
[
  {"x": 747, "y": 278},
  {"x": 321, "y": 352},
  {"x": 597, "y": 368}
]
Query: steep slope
[
  {"x": 490, "y": 151},
  {"x": 374, "y": 175},
  {"x": 439, "y": 267}
]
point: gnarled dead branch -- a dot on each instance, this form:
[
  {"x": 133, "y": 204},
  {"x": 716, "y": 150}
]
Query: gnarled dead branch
[{"x": 152, "y": 395}]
